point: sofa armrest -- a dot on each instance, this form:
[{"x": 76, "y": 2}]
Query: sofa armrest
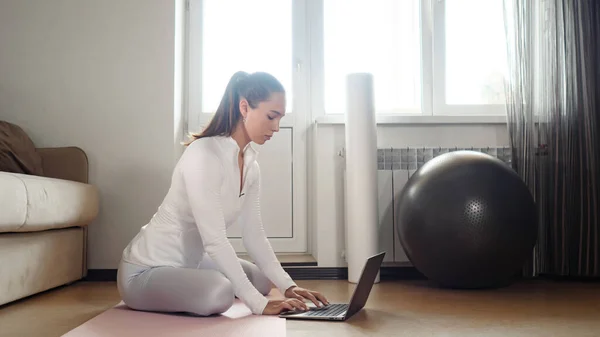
[{"x": 69, "y": 163}]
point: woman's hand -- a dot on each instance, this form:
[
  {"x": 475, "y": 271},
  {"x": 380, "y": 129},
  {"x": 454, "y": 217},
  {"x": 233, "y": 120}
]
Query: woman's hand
[
  {"x": 275, "y": 307},
  {"x": 305, "y": 294}
]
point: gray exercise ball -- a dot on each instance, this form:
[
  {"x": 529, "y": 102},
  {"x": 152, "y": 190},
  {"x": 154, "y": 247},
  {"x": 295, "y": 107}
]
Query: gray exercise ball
[{"x": 467, "y": 220}]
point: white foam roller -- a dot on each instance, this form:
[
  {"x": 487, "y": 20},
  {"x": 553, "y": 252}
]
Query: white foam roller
[{"x": 362, "y": 213}]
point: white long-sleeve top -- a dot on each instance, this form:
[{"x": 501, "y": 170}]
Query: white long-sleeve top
[{"x": 203, "y": 200}]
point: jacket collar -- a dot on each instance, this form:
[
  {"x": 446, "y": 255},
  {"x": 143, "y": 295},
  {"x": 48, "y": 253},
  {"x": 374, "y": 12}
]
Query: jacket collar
[{"x": 232, "y": 149}]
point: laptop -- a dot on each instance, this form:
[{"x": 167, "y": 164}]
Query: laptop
[{"x": 343, "y": 311}]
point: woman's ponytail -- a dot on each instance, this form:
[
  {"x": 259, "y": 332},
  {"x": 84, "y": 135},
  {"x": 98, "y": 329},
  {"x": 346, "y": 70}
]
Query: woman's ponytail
[{"x": 228, "y": 111}]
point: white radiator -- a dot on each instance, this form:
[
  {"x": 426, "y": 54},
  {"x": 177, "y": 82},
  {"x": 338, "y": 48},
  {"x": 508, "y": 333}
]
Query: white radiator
[{"x": 395, "y": 167}]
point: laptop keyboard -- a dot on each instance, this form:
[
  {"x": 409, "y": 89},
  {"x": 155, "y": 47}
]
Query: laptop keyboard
[{"x": 330, "y": 310}]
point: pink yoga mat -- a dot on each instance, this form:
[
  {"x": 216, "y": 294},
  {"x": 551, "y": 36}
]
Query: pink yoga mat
[{"x": 237, "y": 321}]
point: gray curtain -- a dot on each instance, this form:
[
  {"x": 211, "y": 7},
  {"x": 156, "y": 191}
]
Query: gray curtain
[{"x": 553, "y": 101}]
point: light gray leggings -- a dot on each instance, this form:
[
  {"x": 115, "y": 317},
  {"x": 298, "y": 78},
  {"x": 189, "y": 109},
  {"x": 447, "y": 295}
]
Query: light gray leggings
[{"x": 204, "y": 291}]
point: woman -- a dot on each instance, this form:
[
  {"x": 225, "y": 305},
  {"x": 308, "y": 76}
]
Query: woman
[{"x": 182, "y": 261}]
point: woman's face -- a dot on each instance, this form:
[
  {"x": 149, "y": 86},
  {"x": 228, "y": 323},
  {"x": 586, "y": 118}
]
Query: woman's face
[{"x": 262, "y": 122}]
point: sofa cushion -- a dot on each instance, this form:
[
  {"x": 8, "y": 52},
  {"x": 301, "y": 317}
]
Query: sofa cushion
[{"x": 33, "y": 203}]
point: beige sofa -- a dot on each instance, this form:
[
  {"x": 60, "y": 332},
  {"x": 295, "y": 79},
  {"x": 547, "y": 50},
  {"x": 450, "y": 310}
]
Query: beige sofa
[{"x": 43, "y": 224}]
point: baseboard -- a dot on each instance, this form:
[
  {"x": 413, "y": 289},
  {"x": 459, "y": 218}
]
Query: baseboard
[
  {"x": 386, "y": 273},
  {"x": 101, "y": 275},
  {"x": 571, "y": 278},
  {"x": 324, "y": 273},
  {"x": 297, "y": 273}
]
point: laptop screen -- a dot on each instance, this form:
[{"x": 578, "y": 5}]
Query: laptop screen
[{"x": 365, "y": 284}]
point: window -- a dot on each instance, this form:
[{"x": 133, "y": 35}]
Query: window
[
  {"x": 380, "y": 37},
  {"x": 442, "y": 57},
  {"x": 243, "y": 35},
  {"x": 475, "y": 52}
]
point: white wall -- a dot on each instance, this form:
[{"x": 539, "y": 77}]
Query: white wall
[
  {"x": 327, "y": 216},
  {"x": 99, "y": 75}
]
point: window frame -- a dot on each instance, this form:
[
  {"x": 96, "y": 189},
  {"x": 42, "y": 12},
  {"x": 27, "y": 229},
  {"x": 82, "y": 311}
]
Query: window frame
[{"x": 308, "y": 60}]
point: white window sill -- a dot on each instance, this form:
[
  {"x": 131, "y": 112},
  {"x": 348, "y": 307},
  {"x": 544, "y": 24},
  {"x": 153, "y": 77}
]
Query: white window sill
[{"x": 405, "y": 119}]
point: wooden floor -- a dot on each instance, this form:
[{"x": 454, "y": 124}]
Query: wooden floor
[{"x": 395, "y": 308}]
